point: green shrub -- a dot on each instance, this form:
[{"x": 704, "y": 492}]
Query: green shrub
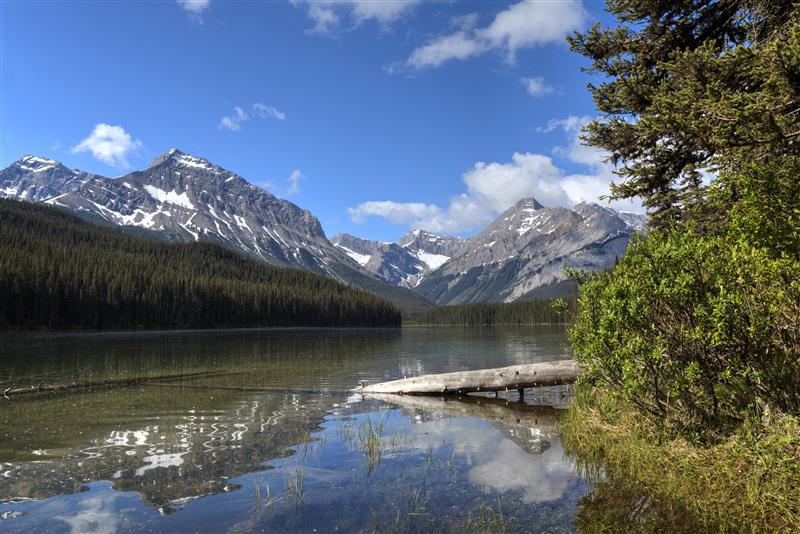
[{"x": 695, "y": 331}]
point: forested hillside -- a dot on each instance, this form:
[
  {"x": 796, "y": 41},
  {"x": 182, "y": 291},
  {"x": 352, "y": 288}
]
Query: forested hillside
[
  {"x": 58, "y": 271},
  {"x": 498, "y": 313}
]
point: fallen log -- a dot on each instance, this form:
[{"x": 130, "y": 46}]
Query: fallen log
[{"x": 517, "y": 377}]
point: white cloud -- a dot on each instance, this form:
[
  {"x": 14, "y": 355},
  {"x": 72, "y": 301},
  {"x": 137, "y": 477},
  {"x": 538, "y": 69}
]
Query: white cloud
[
  {"x": 194, "y": 8},
  {"x": 264, "y": 111},
  {"x": 502, "y": 184},
  {"x": 395, "y": 212},
  {"x": 456, "y": 46},
  {"x": 109, "y": 144},
  {"x": 523, "y": 25},
  {"x": 234, "y": 121},
  {"x": 324, "y": 17},
  {"x": 328, "y": 14},
  {"x": 537, "y": 23},
  {"x": 537, "y": 86},
  {"x": 294, "y": 182},
  {"x": 491, "y": 188},
  {"x": 383, "y": 12}
]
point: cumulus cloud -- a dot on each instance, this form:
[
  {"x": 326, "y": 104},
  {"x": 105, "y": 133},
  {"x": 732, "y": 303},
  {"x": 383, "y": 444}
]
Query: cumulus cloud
[
  {"x": 523, "y": 25},
  {"x": 537, "y": 86},
  {"x": 194, "y": 8},
  {"x": 493, "y": 187},
  {"x": 109, "y": 144},
  {"x": 238, "y": 117},
  {"x": 328, "y": 15},
  {"x": 395, "y": 212}
]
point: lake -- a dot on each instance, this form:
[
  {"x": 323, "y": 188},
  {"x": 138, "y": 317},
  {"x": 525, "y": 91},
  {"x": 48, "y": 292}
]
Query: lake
[{"x": 268, "y": 436}]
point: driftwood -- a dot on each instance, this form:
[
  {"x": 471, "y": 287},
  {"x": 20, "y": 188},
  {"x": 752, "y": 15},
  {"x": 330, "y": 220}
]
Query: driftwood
[
  {"x": 516, "y": 377},
  {"x": 9, "y": 391}
]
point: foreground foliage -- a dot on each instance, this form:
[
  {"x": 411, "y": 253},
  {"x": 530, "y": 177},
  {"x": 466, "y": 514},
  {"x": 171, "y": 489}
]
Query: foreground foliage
[
  {"x": 746, "y": 482},
  {"x": 58, "y": 271},
  {"x": 696, "y": 332},
  {"x": 692, "y": 343}
]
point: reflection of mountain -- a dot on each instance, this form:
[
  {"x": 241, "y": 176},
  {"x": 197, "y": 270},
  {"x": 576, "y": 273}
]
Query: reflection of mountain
[{"x": 189, "y": 451}]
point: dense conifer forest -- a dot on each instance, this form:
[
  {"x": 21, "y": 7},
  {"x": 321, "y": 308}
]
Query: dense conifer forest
[
  {"x": 58, "y": 271},
  {"x": 497, "y": 313}
]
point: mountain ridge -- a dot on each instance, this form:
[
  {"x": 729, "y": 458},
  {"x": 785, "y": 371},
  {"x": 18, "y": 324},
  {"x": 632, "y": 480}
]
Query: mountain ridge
[
  {"x": 523, "y": 253},
  {"x": 183, "y": 197}
]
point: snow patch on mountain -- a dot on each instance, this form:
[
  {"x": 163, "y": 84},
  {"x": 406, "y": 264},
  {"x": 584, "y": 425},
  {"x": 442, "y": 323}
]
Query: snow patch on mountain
[
  {"x": 432, "y": 261},
  {"x": 170, "y": 197}
]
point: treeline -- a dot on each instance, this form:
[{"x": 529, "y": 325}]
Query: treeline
[
  {"x": 58, "y": 271},
  {"x": 498, "y": 313}
]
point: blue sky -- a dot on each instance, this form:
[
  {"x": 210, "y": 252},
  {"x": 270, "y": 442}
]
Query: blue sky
[{"x": 376, "y": 116}]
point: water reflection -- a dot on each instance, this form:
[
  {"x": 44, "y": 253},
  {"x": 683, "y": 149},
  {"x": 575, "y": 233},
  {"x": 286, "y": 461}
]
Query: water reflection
[
  {"x": 502, "y": 465},
  {"x": 275, "y": 440}
]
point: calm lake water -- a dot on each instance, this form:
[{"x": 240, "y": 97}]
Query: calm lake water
[{"x": 271, "y": 439}]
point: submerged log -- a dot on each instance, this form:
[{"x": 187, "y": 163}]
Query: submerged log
[
  {"x": 504, "y": 378},
  {"x": 9, "y": 391}
]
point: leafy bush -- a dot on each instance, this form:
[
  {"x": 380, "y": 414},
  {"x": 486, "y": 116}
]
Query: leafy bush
[{"x": 696, "y": 331}]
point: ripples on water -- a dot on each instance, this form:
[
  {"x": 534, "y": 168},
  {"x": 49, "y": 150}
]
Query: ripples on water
[{"x": 272, "y": 439}]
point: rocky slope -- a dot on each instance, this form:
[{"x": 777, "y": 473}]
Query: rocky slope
[{"x": 523, "y": 253}]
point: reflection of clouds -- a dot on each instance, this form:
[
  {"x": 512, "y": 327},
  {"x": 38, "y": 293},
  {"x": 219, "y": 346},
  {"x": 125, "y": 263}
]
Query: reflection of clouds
[
  {"x": 497, "y": 462},
  {"x": 96, "y": 515},
  {"x": 160, "y": 460}
]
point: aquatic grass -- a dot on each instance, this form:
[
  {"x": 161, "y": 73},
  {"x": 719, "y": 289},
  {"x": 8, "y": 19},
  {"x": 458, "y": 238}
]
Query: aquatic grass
[
  {"x": 370, "y": 438},
  {"x": 295, "y": 485},
  {"x": 747, "y": 481},
  {"x": 488, "y": 518}
]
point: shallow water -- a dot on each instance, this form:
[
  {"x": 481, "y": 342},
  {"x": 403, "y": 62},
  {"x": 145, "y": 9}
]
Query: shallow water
[{"x": 271, "y": 439}]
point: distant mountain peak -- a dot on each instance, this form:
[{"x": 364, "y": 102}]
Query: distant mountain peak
[
  {"x": 173, "y": 156},
  {"x": 31, "y": 163},
  {"x": 528, "y": 203}
]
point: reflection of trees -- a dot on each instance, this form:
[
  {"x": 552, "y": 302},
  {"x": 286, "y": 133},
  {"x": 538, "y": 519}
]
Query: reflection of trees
[{"x": 614, "y": 506}]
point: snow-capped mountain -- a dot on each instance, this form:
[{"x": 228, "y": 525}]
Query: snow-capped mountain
[
  {"x": 187, "y": 198},
  {"x": 182, "y": 197},
  {"x": 404, "y": 263},
  {"x": 35, "y": 179},
  {"x": 522, "y": 254}
]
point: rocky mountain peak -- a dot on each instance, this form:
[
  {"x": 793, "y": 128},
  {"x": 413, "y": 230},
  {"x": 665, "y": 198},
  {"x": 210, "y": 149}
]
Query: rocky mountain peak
[
  {"x": 529, "y": 203},
  {"x": 421, "y": 240},
  {"x": 30, "y": 163},
  {"x": 176, "y": 158}
]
